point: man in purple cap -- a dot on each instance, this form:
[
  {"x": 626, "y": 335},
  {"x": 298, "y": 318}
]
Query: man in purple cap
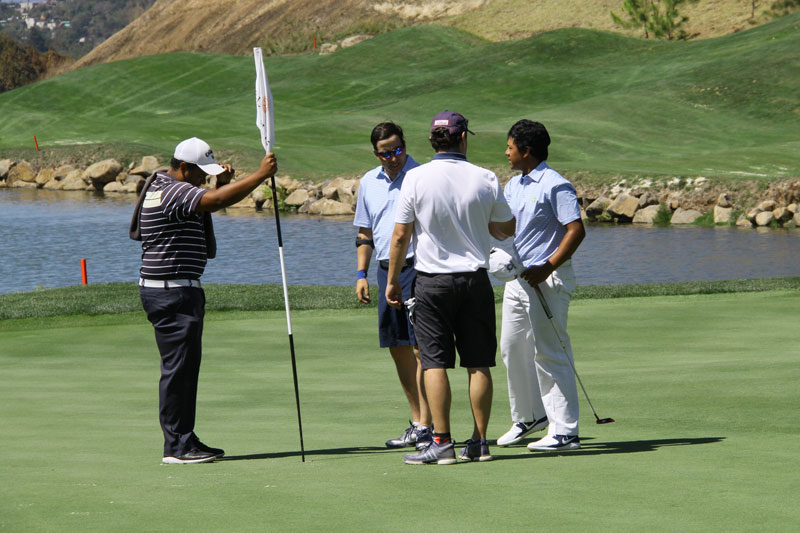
[
  {"x": 173, "y": 220},
  {"x": 450, "y": 206}
]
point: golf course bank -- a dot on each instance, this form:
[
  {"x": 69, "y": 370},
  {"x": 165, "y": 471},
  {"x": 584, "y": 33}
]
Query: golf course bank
[{"x": 639, "y": 201}]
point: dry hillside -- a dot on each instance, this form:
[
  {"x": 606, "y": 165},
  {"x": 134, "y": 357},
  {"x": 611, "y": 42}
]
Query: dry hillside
[{"x": 235, "y": 26}]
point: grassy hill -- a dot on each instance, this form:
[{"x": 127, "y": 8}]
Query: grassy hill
[{"x": 723, "y": 107}]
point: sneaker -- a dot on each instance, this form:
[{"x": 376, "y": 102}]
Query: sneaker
[
  {"x": 217, "y": 452},
  {"x": 424, "y": 438},
  {"x": 520, "y": 430},
  {"x": 475, "y": 450},
  {"x": 408, "y": 438},
  {"x": 190, "y": 457},
  {"x": 555, "y": 443},
  {"x": 440, "y": 454}
]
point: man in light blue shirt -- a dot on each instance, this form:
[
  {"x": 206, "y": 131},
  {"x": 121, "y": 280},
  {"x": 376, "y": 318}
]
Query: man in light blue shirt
[
  {"x": 375, "y": 216},
  {"x": 541, "y": 383}
]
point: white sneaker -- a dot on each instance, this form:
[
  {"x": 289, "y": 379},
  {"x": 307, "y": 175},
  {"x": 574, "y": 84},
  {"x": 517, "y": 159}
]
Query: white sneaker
[
  {"x": 520, "y": 430},
  {"x": 556, "y": 443}
]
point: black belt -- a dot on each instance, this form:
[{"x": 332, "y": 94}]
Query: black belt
[{"x": 409, "y": 263}]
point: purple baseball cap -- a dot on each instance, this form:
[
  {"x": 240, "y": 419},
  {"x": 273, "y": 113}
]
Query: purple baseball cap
[{"x": 454, "y": 122}]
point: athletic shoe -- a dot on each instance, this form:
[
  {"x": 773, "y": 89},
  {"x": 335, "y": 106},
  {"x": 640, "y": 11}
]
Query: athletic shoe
[
  {"x": 440, "y": 454},
  {"x": 408, "y": 438},
  {"x": 217, "y": 452},
  {"x": 520, "y": 430},
  {"x": 190, "y": 457},
  {"x": 475, "y": 451},
  {"x": 556, "y": 443},
  {"x": 424, "y": 438}
]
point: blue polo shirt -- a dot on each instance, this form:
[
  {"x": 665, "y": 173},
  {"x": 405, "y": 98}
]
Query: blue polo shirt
[
  {"x": 375, "y": 207},
  {"x": 543, "y": 202}
]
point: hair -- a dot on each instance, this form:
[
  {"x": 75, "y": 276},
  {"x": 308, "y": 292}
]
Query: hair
[
  {"x": 531, "y": 135},
  {"x": 444, "y": 141},
  {"x": 383, "y": 131},
  {"x": 175, "y": 164}
]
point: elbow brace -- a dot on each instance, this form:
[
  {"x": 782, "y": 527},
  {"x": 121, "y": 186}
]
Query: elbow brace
[{"x": 368, "y": 242}]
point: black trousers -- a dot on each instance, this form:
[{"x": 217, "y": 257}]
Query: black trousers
[{"x": 177, "y": 317}]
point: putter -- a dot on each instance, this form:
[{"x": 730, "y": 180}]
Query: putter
[{"x": 564, "y": 346}]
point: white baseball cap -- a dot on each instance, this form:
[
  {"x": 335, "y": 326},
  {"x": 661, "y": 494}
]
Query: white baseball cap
[
  {"x": 198, "y": 152},
  {"x": 503, "y": 266}
]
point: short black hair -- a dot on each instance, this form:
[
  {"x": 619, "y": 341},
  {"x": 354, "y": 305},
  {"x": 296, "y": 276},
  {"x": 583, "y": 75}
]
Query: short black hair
[
  {"x": 383, "y": 131},
  {"x": 175, "y": 164},
  {"x": 444, "y": 141},
  {"x": 528, "y": 134}
]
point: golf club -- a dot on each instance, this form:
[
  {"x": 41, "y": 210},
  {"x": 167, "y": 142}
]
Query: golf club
[{"x": 566, "y": 352}]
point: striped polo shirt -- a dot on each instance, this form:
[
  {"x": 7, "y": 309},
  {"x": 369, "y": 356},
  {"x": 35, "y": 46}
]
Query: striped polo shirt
[{"x": 173, "y": 237}]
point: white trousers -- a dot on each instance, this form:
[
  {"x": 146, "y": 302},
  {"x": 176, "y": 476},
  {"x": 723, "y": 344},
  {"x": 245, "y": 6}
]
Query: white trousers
[{"x": 540, "y": 378}]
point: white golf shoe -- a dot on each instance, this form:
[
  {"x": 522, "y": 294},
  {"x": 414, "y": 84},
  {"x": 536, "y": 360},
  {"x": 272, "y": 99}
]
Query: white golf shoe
[
  {"x": 555, "y": 443},
  {"x": 520, "y": 430}
]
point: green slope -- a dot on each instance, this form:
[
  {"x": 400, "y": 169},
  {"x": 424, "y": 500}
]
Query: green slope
[{"x": 725, "y": 107}]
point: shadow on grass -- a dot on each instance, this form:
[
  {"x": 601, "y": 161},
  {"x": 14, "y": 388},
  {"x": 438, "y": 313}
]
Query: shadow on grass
[
  {"x": 356, "y": 450},
  {"x": 632, "y": 446}
]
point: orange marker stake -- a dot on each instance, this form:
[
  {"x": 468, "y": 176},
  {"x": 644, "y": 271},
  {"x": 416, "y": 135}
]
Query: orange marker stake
[
  {"x": 83, "y": 272},
  {"x": 36, "y": 143}
]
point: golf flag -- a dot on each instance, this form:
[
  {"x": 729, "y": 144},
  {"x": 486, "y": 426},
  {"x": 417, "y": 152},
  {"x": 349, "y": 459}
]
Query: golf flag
[{"x": 264, "y": 116}]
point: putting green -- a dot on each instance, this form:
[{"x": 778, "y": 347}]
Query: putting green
[{"x": 703, "y": 388}]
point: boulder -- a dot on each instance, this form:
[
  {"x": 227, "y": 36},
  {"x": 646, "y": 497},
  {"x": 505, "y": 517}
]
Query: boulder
[
  {"x": 62, "y": 171},
  {"x": 624, "y": 207},
  {"x": 148, "y": 165},
  {"x": 722, "y": 215},
  {"x": 597, "y": 207},
  {"x": 674, "y": 201},
  {"x": 5, "y": 166},
  {"x": 99, "y": 174},
  {"x": 22, "y": 171},
  {"x": 45, "y": 175},
  {"x": 345, "y": 192},
  {"x": 796, "y": 219},
  {"x": 685, "y": 216},
  {"x": 743, "y": 222},
  {"x": 751, "y": 214},
  {"x": 326, "y": 206},
  {"x": 782, "y": 214},
  {"x": 793, "y": 207},
  {"x": 646, "y": 199},
  {"x": 646, "y": 215},
  {"x": 724, "y": 200},
  {"x": 246, "y": 203},
  {"x": 327, "y": 48},
  {"x": 113, "y": 187},
  {"x": 353, "y": 40},
  {"x": 19, "y": 184},
  {"x": 73, "y": 182},
  {"x": 52, "y": 185},
  {"x": 767, "y": 205},
  {"x": 764, "y": 218},
  {"x": 303, "y": 209},
  {"x": 330, "y": 189},
  {"x": 297, "y": 198}
]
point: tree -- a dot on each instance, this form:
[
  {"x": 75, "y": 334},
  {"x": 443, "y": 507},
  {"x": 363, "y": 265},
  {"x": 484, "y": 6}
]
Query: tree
[
  {"x": 659, "y": 18},
  {"x": 19, "y": 65}
]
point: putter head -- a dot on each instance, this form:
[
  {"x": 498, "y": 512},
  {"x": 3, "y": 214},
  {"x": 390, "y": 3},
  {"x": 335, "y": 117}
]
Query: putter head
[{"x": 605, "y": 420}]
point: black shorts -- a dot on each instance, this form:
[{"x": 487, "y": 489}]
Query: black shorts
[
  {"x": 394, "y": 328},
  {"x": 455, "y": 312}
]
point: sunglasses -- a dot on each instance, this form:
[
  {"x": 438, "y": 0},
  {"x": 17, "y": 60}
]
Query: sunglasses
[{"x": 389, "y": 153}]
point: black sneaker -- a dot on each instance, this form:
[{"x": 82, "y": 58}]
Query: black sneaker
[
  {"x": 475, "y": 451},
  {"x": 218, "y": 452},
  {"x": 190, "y": 457},
  {"x": 440, "y": 454},
  {"x": 424, "y": 438},
  {"x": 408, "y": 438}
]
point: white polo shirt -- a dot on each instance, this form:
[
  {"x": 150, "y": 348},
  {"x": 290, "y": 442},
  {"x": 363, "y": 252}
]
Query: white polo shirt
[{"x": 451, "y": 202}]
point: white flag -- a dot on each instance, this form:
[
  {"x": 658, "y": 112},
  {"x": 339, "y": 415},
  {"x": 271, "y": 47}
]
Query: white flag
[{"x": 264, "y": 116}]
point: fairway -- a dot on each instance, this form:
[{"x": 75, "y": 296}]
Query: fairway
[{"x": 703, "y": 389}]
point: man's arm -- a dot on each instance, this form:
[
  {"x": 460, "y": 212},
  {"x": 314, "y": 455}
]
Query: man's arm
[
  {"x": 398, "y": 249},
  {"x": 227, "y": 195},
  {"x": 569, "y": 244},
  {"x": 503, "y": 230},
  {"x": 363, "y": 256}
]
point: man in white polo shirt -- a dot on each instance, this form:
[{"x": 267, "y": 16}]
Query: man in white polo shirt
[
  {"x": 172, "y": 219},
  {"x": 375, "y": 212},
  {"x": 541, "y": 382},
  {"x": 448, "y": 206}
]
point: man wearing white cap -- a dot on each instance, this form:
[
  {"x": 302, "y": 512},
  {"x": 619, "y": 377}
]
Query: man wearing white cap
[{"x": 172, "y": 219}]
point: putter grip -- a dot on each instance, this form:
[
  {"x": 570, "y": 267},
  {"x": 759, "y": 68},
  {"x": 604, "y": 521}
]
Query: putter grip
[{"x": 543, "y": 301}]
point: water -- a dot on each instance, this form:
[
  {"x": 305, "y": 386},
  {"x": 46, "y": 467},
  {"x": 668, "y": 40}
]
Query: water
[{"x": 45, "y": 234}]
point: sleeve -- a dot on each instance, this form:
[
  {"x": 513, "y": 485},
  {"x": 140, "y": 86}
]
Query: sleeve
[
  {"x": 362, "y": 218},
  {"x": 500, "y": 210},
  {"x": 404, "y": 212},
  {"x": 181, "y": 200},
  {"x": 564, "y": 201}
]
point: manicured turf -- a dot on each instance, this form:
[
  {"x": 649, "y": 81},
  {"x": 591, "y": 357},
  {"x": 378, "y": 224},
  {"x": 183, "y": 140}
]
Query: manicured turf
[
  {"x": 723, "y": 107},
  {"x": 703, "y": 388}
]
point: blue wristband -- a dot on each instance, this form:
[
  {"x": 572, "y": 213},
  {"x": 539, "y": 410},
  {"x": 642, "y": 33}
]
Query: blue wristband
[{"x": 361, "y": 274}]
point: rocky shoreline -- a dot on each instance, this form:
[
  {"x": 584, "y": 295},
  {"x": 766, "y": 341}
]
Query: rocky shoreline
[{"x": 642, "y": 201}]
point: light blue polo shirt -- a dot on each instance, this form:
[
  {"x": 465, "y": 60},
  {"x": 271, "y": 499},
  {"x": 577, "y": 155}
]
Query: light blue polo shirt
[
  {"x": 543, "y": 202},
  {"x": 375, "y": 207}
]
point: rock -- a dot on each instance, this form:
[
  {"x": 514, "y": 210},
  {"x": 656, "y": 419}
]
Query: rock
[
  {"x": 261, "y": 195},
  {"x": 305, "y": 207},
  {"x": 113, "y": 187},
  {"x": 73, "y": 182},
  {"x": 99, "y": 174},
  {"x": 148, "y": 165},
  {"x": 646, "y": 199},
  {"x": 62, "y": 171},
  {"x": 45, "y": 175},
  {"x": 764, "y": 218},
  {"x": 674, "y": 201},
  {"x": 751, "y": 214},
  {"x": 354, "y": 40},
  {"x": 724, "y": 200},
  {"x": 624, "y": 207},
  {"x": 646, "y": 215},
  {"x": 22, "y": 171},
  {"x": 5, "y": 166},
  {"x": 793, "y": 207},
  {"x": 796, "y": 219},
  {"x": 767, "y": 205},
  {"x": 330, "y": 189},
  {"x": 685, "y": 216},
  {"x": 722, "y": 215},
  {"x": 597, "y": 207},
  {"x": 744, "y": 222},
  {"x": 327, "y": 48},
  {"x": 327, "y": 206},
  {"x": 297, "y": 198},
  {"x": 782, "y": 214},
  {"x": 248, "y": 202},
  {"x": 52, "y": 185},
  {"x": 19, "y": 184}
]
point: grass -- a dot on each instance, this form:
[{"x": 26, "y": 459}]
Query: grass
[
  {"x": 112, "y": 298},
  {"x": 614, "y": 105},
  {"x": 687, "y": 378}
]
